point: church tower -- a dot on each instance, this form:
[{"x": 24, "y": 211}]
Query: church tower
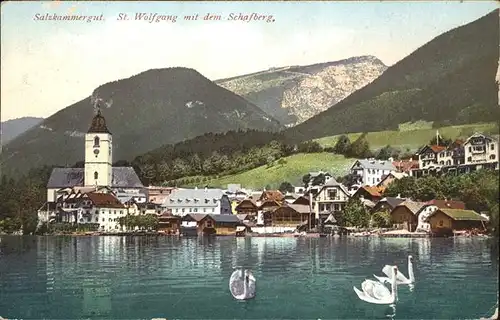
[{"x": 98, "y": 153}]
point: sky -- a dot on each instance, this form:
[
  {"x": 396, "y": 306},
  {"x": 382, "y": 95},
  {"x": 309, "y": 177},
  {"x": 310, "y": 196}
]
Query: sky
[{"x": 49, "y": 65}]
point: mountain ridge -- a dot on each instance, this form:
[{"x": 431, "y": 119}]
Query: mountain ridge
[
  {"x": 144, "y": 111},
  {"x": 12, "y": 128},
  {"x": 292, "y": 94},
  {"x": 454, "y": 71}
]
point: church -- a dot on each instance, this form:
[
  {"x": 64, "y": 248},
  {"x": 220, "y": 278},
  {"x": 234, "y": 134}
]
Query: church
[
  {"x": 91, "y": 195},
  {"x": 98, "y": 171}
]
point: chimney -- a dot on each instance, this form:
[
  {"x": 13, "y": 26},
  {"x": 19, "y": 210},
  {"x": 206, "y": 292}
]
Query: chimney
[
  {"x": 399, "y": 196},
  {"x": 196, "y": 188},
  {"x": 206, "y": 188}
]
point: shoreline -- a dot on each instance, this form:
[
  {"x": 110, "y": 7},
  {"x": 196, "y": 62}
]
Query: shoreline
[{"x": 261, "y": 235}]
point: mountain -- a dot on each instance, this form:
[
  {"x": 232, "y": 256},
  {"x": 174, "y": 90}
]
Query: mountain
[
  {"x": 449, "y": 80},
  {"x": 294, "y": 94},
  {"x": 12, "y": 128},
  {"x": 143, "y": 112}
]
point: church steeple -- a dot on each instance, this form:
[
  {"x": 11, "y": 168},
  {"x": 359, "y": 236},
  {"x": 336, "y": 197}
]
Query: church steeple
[
  {"x": 98, "y": 124},
  {"x": 98, "y": 152}
]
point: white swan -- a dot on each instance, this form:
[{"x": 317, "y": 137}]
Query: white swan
[
  {"x": 242, "y": 284},
  {"x": 391, "y": 299},
  {"x": 375, "y": 289},
  {"x": 401, "y": 279}
]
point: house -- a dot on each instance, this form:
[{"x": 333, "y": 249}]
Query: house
[
  {"x": 405, "y": 214},
  {"x": 149, "y": 208},
  {"x": 299, "y": 190},
  {"x": 289, "y": 216},
  {"x": 433, "y": 205},
  {"x": 371, "y": 193},
  {"x": 158, "y": 194},
  {"x": 391, "y": 177},
  {"x": 170, "y": 224},
  {"x": 332, "y": 197},
  {"x": 371, "y": 171},
  {"x": 290, "y": 197},
  {"x": 271, "y": 195},
  {"x": 301, "y": 200},
  {"x": 207, "y": 201},
  {"x": 218, "y": 224},
  {"x": 189, "y": 223},
  {"x": 428, "y": 156},
  {"x": 79, "y": 206},
  {"x": 235, "y": 192},
  {"x": 98, "y": 170},
  {"x": 247, "y": 206},
  {"x": 138, "y": 197},
  {"x": 481, "y": 149},
  {"x": 444, "y": 220},
  {"x": 387, "y": 204}
]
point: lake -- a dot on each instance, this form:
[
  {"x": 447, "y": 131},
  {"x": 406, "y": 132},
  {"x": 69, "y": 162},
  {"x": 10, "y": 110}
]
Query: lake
[{"x": 187, "y": 278}]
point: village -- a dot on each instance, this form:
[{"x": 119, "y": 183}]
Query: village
[{"x": 102, "y": 199}]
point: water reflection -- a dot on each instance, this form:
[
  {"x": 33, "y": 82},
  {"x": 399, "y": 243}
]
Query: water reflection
[{"x": 146, "y": 277}]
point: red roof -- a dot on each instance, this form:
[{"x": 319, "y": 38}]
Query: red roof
[
  {"x": 437, "y": 148},
  {"x": 450, "y": 204},
  {"x": 105, "y": 200},
  {"x": 373, "y": 191}
]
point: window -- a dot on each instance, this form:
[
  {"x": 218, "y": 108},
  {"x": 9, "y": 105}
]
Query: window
[
  {"x": 470, "y": 149},
  {"x": 182, "y": 209},
  {"x": 492, "y": 157},
  {"x": 96, "y": 175},
  {"x": 492, "y": 146},
  {"x": 195, "y": 210},
  {"x": 96, "y": 141},
  {"x": 204, "y": 209},
  {"x": 332, "y": 194},
  {"x": 441, "y": 223},
  {"x": 209, "y": 224},
  {"x": 469, "y": 159}
]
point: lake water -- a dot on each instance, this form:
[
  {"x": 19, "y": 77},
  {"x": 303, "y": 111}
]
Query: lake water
[{"x": 187, "y": 278}]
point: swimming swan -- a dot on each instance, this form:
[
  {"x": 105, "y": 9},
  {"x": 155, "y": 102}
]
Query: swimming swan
[
  {"x": 375, "y": 289},
  {"x": 391, "y": 299},
  {"x": 401, "y": 279},
  {"x": 242, "y": 284}
]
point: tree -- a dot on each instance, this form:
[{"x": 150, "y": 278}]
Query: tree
[
  {"x": 319, "y": 180},
  {"x": 350, "y": 179},
  {"x": 381, "y": 219},
  {"x": 387, "y": 152},
  {"x": 343, "y": 145},
  {"x": 305, "y": 179},
  {"x": 360, "y": 148},
  {"x": 355, "y": 214},
  {"x": 286, "y": 187}
]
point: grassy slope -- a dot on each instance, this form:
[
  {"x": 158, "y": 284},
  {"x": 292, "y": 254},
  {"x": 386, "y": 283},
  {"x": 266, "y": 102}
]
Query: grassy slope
[
  {"x": 296, "y": 166},
  {"x": 413, "y": 139}
]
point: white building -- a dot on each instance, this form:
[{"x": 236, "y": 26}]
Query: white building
[
  {"x": 371, "y": 171},
  {"x": 87, "y": 207},
  {"x": 187, "y": 201},
  {"x": 480, "y": 149}
]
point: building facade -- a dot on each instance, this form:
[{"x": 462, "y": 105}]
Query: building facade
[
  {"x": 371, "y": 171},
  {"x": 197, "y": 201}
]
